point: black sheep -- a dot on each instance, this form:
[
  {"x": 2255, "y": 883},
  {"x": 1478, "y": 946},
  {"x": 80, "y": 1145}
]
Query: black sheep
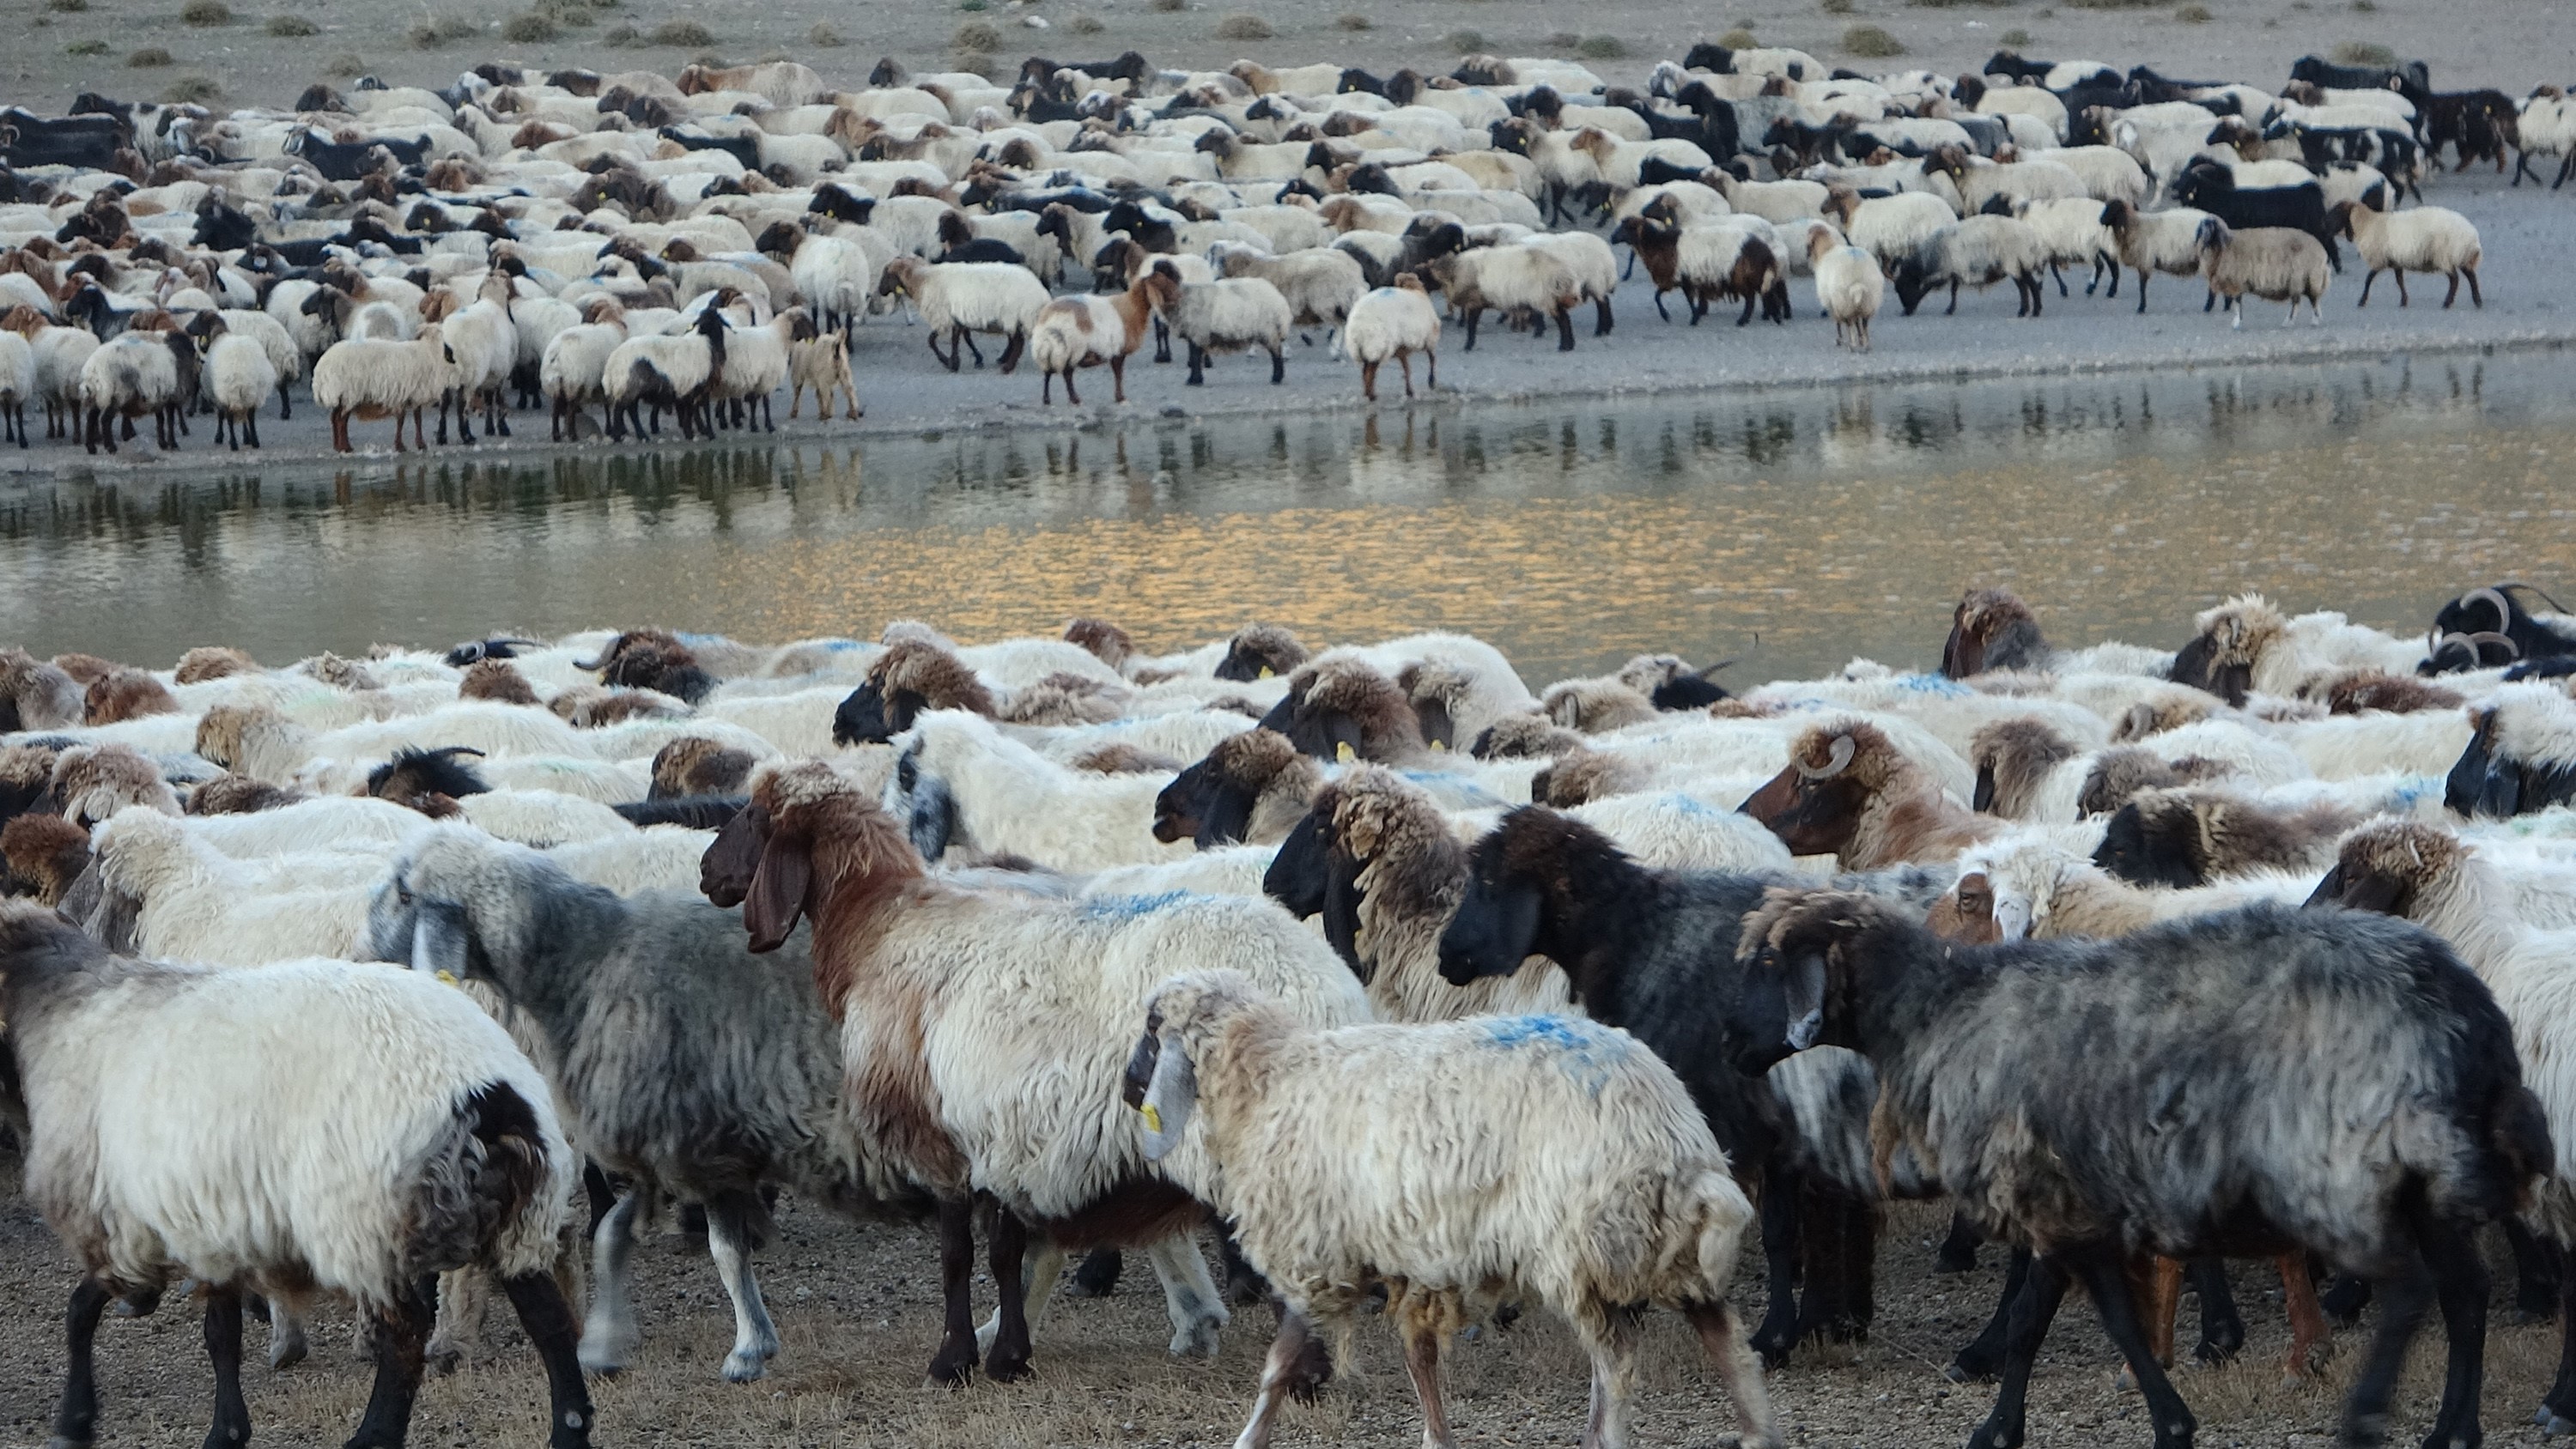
[{"x": 2211, "y": 187}]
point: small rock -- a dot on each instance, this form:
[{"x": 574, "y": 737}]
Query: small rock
[{"x": 1034, "y": 22}]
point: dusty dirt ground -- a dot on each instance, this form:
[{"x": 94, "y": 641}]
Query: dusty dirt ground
[{"x": 857, "y": 1311}]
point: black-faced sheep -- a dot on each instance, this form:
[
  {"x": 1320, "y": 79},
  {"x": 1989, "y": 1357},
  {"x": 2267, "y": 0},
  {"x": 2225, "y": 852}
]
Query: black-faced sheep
[{"x": 1849, "y": 792}]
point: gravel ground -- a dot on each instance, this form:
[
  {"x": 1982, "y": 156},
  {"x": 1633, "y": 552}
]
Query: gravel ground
[
  {"x": 857, "y": 1311},
  {"x": 2523, "y": 231}
]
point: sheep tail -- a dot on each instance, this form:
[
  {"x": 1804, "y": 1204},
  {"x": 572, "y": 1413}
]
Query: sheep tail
[
  {"x": 2518, "y": 1134},
  {"x": 486, "y": 1191},
  {"x": 1723, "y": 1213}
]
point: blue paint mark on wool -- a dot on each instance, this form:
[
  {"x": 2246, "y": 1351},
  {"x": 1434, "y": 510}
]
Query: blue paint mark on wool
[
  {"x": 694, "y": 640},
  {"x": 1933, "y": 684},
  {"x": 1128, "y": 908},
  {"x": 1583, "y": 1050},
  {"x": 1681, "y": 804}
]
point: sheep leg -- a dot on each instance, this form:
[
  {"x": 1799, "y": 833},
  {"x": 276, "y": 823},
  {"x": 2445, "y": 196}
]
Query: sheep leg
[
  {"x": 1422, "y": 1365},
  {"x": 1190, "y": 1298},
  {"x": 1723, "y": 1340},
  {"x": 1747, "y": 314},
  {"x": 1404, "y": 361},
  {"x": 2365, "y": 288},
  {"x": 496, "y": 413},
  {"x": 400, "y": 1331},
  {"x": 2222, "y": 1332},
  {"x": 1659, "y": 300},
  {"x": 546, "y": 1318},
  {"x": 1565, "y": 329},
  {"x": 1601, "y": 307},
  {"x": 967, "y": 339},
  {"x": 1046, "y": 391},
  {"x": 1162, "y": 341},
  {"x": 2105, "y": 1276},
  {"x": 2558, "y": 1407},
  {"x": 1431, "y": 369},
  {"x": 223, "y": 1350},
  {"x": 1007, "y": 1254},
  {"x": 1117, "y": 380},
  {"x": 955, "y": 1361},
  {"x": 462, "y": 1296},
  {"x": 2400, "y": 274},
  {"x": 1278, "y": 366},
  {"x": 1958, "y": 1252},
  {"x": 2537, "y": 1272},
  {"x": 2032, "y": 1310},
  {"x": 2460, "y": 1284},
  {"x": 610, "y": 1337},
  {"x": 1198, "y": 363},
  {"x": 1472, "y": 318},
  {"x": 945, "y": 358},
  {"x": 768, "y": 412},
  {"x": 1984, "y": 1354},
  {"x": 1780, "y": 1241},
  {"x": 77, "y": 1415},
  {"x": 1041, "y": 1264},
  {"x": 1011, "y": 351},
  {"x": 2403, "y": 1298},
  {"x": 729, "y": 1242},
  {"x": 1368, "y": 382},
  {"x": 796, "y": 399},
  {"x": 1244, "y": 1284},
  {"x": 2307, "y": 1320},
  {"x": 1097, "y": 1274},
  {"x": 1298, "y": 1367},
  {"x": 284, "y": 415}
]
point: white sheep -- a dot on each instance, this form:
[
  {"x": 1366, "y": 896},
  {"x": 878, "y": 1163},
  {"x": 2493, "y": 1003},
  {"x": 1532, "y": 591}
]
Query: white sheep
[
  {"x": 412, "y": 1139},
  {"x": 1393, "y": 322},
  {"x": 482, "y": 346},
  {"x": 2153, "y": 241},
  {"x": 1458, "y": 1163},
  {"x": 1319, "y": 285},
  {"x": 1229, "y": 314},
  {"x": 575, "y": 364},
  {"x": 60, "y": 354},
  {"x": 1889, "y": 228},
  {"x": 17, "y": 384},
  {"x": 2428, "y": 239},
  {"x": 132, "y": 374},
  {"x": 963, "y": 298},
  {"x": 239, "y": 377},
  {"x": 2275, "y": 263},
  {"x": 1518, "y": 281},
  {"x": 960, "y": 781},
  {"x": 2071, "y": 229},
  {"x": 369, "y": 378},
  {"x": 1790, "y": 200},
  {"x": 1849, "y": 286}
]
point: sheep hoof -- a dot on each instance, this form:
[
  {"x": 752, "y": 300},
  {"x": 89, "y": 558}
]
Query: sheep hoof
[
  {"x": 440, "y": 1361},
  {"x": 286, "y": 1350},
  {"x": 60, "y": 1442},
  {"x": 743, "y": 1365},
  {"x": 1199, "y": 1340},
  {"x": 603, "y": 1356},
  {"x": 2553, "y": 1424},
  {"x": 1007, "y": 1368}
]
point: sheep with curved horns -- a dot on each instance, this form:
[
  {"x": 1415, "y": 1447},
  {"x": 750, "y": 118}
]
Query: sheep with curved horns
[
  {"x": 686, "y": 1067},
  {"x": 2461, "y": 640},
  {"x": 983, "y": 1033},
  {"x": 1298, "y": 1133},
  {"x": 414, "y": 1139},
  {"x": 2425, "y": 874},
  {"x": 2353, "y": 1092},
  {"x": 1847, "y": 791}
]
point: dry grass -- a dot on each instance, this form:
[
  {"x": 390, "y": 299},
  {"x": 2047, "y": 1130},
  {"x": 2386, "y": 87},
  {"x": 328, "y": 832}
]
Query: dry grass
[
  {"x": 1835, "y": 7},
  {"x": 531, "y": 28},
  {"x": 347, "y": 65},
  {"x": 291, "y": 27},
  {"x": 2014, "y": 38},
  {"x": 976, "y": 37},
  {"x": 1353, "y": 20},
  {"x": 86, "y": 47},
  {"x": 1871, "y": 42},
  {"x": 1602, "y": 47},
  {"x": 1080, "y": 24},
  {"x": 205, "y": 12},
  {"x": 1244, "y": 27},
  {"x": 1464, "y": 42},
  {"x": 686, "y": 34},
  {"x": 1742, "y": 39},
  {"x": 1167, "y": 7},
  {"x": 149, "y": 57},
  {"x": 824, "y": 37},
  {"x": 433, "y": 31},
  {"x": 2194, "y": 15},
  {"x": 2362, "y": 52},
  {"x": 67, "y": 7},
  {"x": 191, "y": 90}
]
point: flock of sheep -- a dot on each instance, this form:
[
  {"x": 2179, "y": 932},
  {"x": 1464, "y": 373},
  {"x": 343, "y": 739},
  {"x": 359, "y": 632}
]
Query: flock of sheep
[
  {"x": 1422, "y": 992},
  {"x": 621, "y": 247}
]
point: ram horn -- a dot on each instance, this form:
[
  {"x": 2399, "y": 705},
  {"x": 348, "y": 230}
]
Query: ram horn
[
  {"x": 1836, "y": 762},
  {"x": 2504, "y": 611},
  {"x": 2482, "y": 637}
]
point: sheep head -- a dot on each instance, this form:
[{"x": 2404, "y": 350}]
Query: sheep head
[
  {"x": 1816, "y": 802},
  {"x": 2388, "y": 866},
  {"x": 808, "y": 836},
  {"x": 1808, "y": 957},
  {"x": 40, "y": 857},
  {"x": 1212, "y": 803},
  {"x": 908, "y": 678},
  {"x": 2012, "y": 757},
  {"x": 2226, "y": 641},
  {"x": 1991, "y": 629}
]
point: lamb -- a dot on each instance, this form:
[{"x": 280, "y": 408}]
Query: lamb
[
  {"x": 445, "y": 1154},
  {"x": 371, "y": 378},
  {"x": 1994, "y": 1067},
  {"x": 1226, "y": 315},
  {"x": 2424, "y": 874},
  {"x": 649, "y": 1012},
  {"x": 962, "y": 298},
  {"x": 1848, "y": 792},
  {"x": 1518, "y": 281},
  {"x": 1395, "y": 322},
  {"x": 1322, "y": 1213},
  {"x": 1319, "y": 284},
  {"x": 2427, "y": 239},
  {"x": 1078, "y": 332},
  {"x": 1849, "y": 287},
  {"x": 1977, "y": 252},
  {"x": 995, "y": 1072},
  {"x": 239, "y": 378},
  {"x": 819, "y": 361}
]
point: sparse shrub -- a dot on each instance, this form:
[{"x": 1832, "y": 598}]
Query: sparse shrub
[
  {"x": 1244, "y": 27},
  {"x": 67, "y": 7},
  {"x": 438, "y": 30},
  {"x": 206, "y": 12},
  {"x": 1465, "y": 42},
  {"x": 148, "y": 57},
  {"x": 1953, "y": 4},
  {"x": 1835, "y": 7},
  {"x": 977, "y": 37},
  {"x": 1167, "y": 7},
  {"x": 688, "y": 33},
  {"x": 2046, "y": 12},
  {"x": 2117, "y": 4},
  {"x": 1353, "y": 20},
  {"x": 973, "y": 7},
  {"x": 824, "y": 37},
  {"x": 191, "y": 90},
  {"x": 1084, "y": 24},
  {"x": 2193, "y": 15},
  {"x": 2362, "y": 52},
  {"x": 530, "y": 28},
  {"x": 291, "y": 27},
  {"x": 1742, "y": 39},
  {"x": 347, "y": 65},
  {"x": 617, "y": 35},
  {"x": 2015, "y": 38},
  {"x": 1564, "y": 40},
  {"x": 86, "y": 47},
  {"x": 1601, "y": 47},
  {"x": 2364, "y": 6},
  {"x": 1871, "y": 43}
]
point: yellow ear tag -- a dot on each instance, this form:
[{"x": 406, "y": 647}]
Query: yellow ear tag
[
  {"x": 1153, "y": 1119},
  {"x": 1439, "y": 747},
  {"x": 450, "y": 978},
  {"x": 1343, "y": 754},
  {"x": 1265, "y": 671}
]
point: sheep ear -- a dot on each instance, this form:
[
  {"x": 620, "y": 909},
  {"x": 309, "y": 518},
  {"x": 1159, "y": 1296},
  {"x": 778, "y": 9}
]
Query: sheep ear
[
  {"x": 778, "y": 891},
  {"x": 1804, "y": 988},
  {"x": 725, "y": 872},
  {"x": 1227, "y": 816},
  {"x": 1171, "y": 1098},
  {"x": 1341, "y": 911}
]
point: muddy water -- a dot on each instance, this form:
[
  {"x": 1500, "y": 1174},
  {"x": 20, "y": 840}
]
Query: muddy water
[{"x": 1791, "y": 531}]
